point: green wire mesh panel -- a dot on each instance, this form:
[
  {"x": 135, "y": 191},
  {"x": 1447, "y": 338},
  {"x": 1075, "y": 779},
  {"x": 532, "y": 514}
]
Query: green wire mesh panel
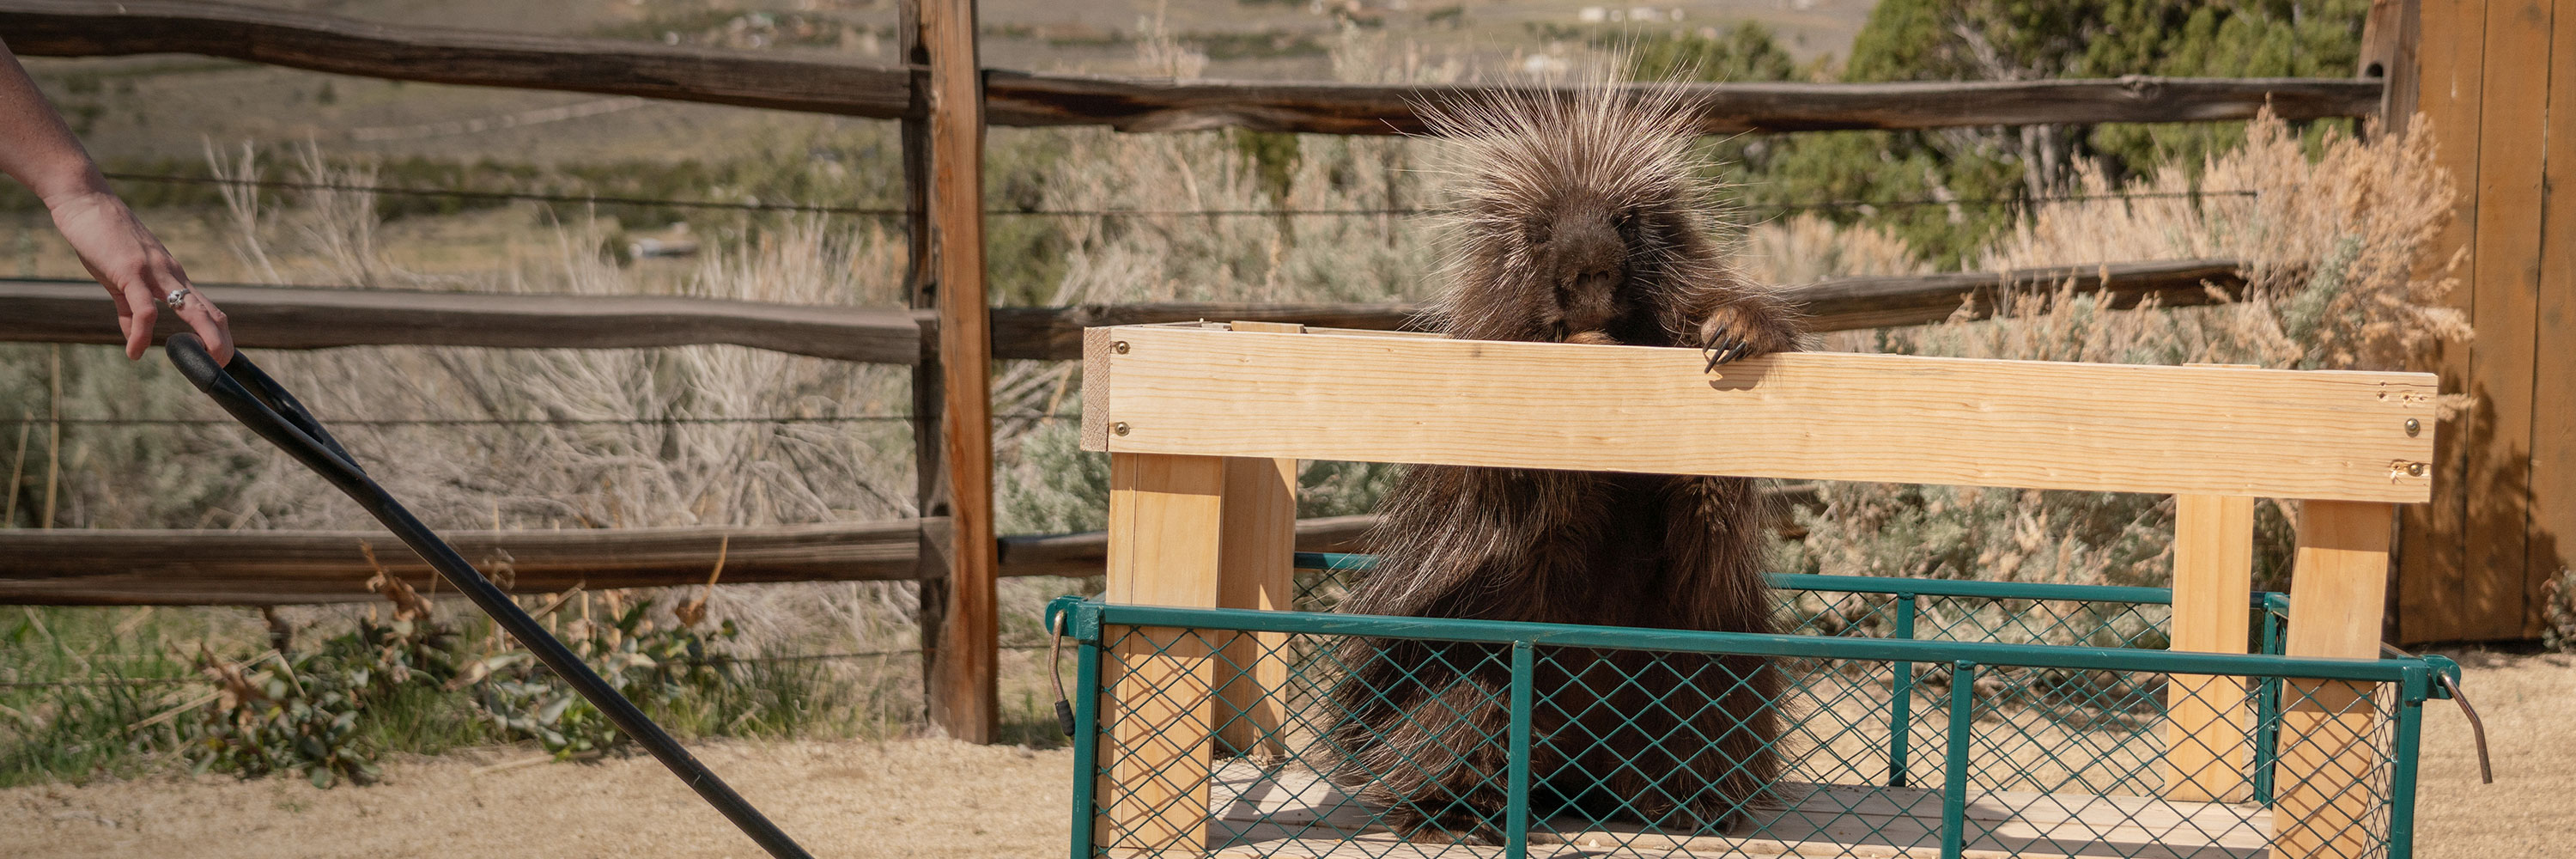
[{"x": 1257, "y": 734}]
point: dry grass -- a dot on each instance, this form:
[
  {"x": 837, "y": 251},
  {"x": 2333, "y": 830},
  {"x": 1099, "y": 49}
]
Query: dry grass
[{"x": 2332, "y": 238}]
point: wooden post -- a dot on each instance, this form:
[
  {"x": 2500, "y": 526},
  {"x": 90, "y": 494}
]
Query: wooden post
[
  {"x": 2329, "y": 759},
  {"x": 921, "y": 286},
  {"x": 2207, "y": 722},
  {"x": 2389, "y": 44},
  {"x": 1166, "y": 515},
  {"x": 961, "y": 684},
  {"x": 1257, "y": 571}
]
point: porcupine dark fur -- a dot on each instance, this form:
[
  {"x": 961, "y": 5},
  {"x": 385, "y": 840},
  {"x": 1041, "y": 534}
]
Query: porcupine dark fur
[{"x": 1578, "y": 219}]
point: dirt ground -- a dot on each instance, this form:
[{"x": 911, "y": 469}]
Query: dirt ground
[{"x": 945, "y": 799}]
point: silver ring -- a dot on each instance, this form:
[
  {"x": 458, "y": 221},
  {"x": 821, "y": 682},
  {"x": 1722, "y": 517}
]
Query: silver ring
[{"x": 175, "y": 298}]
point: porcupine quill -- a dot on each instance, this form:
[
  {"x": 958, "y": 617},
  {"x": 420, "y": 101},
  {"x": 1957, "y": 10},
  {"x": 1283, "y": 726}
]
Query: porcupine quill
[{"x": 1578, "y": 219}]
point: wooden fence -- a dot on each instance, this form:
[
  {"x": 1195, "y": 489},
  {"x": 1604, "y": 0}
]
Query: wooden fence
[
  {"x": 285, "y": 317},
  {"x": 2476, "y": 563},
  {"x": 944, "y": 99},
  {"x": 754, "y": 79}
]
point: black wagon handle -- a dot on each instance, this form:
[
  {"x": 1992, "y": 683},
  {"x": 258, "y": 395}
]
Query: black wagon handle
[{"x": 266, "y": 407}]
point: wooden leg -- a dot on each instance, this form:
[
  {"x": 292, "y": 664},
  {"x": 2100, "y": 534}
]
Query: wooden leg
[
  {"x": 1165, "y": 518},
  {"x": 2329, "y": 727},
  {"x": 2207, "y": 721},
  {"x": 1256, "y": 571}
]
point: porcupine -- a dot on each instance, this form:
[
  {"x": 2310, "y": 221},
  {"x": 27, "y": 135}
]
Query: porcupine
[{"x": 1579, "y": 220}]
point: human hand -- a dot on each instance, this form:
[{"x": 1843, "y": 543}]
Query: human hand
[{"x": 137, "y": 271}]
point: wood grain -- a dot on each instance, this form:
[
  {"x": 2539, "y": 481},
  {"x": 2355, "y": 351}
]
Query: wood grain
[
  {"x": 963, "y": 699},
  {"x": 1834, "y": 304},
  {"x": 1256, "y": 570},
  {"x": 761, "y": 79},
  {"x": 2507, "y": 246},
  {"x": 1803, "y": 415},
  {"x": 2434, "y": 547},
  {"x": 929, "y": 392},
  {"x": 319, "y": 317},
  {"x": 1131, "y": 104},
  {"x": 2207, "y": 723},
  {"x": 282, "y": 317},
  {"x": 2552, "y": 546},
  {"x": 106, "y": 567},
  {"x": 1165, "y": 548},
  {"x": 179, "y": 567},
  {"x": 2329, "y": 755}
]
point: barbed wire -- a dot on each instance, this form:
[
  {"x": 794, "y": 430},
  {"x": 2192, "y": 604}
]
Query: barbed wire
[{"x": 882, "y": 212}]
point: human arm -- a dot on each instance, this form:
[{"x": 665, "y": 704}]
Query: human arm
[{"x": 37, "y": 149}]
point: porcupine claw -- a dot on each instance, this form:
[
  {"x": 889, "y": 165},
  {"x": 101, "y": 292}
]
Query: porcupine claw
[{"x": 1723, "y": 350}]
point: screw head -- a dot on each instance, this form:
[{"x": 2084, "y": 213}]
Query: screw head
[
  {"x": 2415, "y": 469},
  {"x": 2414, "y": 427},
  {"x": 1119, "y": 428},
  {"x": 1119, "y": 347}
]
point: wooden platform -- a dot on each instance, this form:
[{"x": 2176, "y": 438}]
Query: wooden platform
[{"x": 1292, "y": 813}]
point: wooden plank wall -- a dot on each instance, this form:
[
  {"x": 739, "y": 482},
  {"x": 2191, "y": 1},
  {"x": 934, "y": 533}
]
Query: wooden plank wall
[{"x": 2495, "y": 76}]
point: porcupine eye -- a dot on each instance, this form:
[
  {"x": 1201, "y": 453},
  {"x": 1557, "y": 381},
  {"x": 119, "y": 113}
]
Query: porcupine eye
[{"x": 1535, "y": 232}]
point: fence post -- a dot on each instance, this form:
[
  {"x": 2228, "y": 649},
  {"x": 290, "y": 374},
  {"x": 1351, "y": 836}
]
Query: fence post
[
  {"x": 960, "y": 688},
  {"x": 2213, "y": 582},
  {"x": 921, "y": 287},
  {"x": 2388, "y": 45},
  {"x": 2329, "y": 759}
]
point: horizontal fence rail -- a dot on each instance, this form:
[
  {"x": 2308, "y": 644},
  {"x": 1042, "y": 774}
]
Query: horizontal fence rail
[
  {"x": 285, "y": 317},
  {"x": 784, "y": 82},
  {"x": 247, "y": 567},
  {"x": 280, "y": 317}
]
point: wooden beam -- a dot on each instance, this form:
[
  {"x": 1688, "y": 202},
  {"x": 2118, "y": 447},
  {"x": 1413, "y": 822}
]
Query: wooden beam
[
  {"x": 1087, "y": 554},
  {"x": 1849, "y": 303},
  {"x": 1834, "y": 304},
  {"x": 1166, "y": 518},
  {"x": 2205, "y": 430},
  {"x": 929, "y": 390},
  {"x": 2391, "y": 42},
  {"x": 2208, "y": 725},
  {"x": 1255, "y": 570},
  {"x": 1131, "y": 104},
  {"x": 181, "y": 567},
  {"x": 963, "y": 701},
  {"x": 761, "y": 79},
  {"x": 285, "y": 317},
  {"x": 272, "y": 317},
  {"x": 107, "y": 567},
  {"x": 2329, "y": 753}
]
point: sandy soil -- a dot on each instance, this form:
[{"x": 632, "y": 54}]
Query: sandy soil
[{"x": 938, "y": 798}]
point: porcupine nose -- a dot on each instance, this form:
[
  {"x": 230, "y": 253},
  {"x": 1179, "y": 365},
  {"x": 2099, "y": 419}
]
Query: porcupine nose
[{"x": 1593, "y": 260}]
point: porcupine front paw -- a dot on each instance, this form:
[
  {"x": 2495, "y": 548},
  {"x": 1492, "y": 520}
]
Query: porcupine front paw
[{"x": 1733, "y": 334}]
